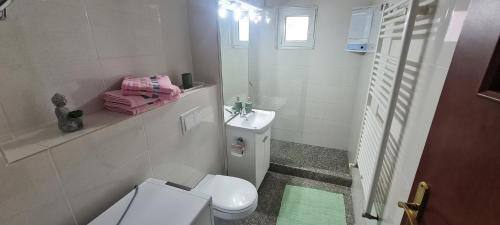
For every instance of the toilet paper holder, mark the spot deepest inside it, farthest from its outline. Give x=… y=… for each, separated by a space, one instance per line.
x=238 y=148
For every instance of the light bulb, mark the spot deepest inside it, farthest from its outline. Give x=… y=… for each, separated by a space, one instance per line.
x=237 y=14
x=222 y=13
x=268 y=19
x=252 y=15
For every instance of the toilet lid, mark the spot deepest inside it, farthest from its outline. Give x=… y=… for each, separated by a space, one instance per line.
x=229 y=194
x=154 y=204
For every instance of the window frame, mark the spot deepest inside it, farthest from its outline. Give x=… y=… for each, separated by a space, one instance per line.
x=235 y=35
x=283 y=13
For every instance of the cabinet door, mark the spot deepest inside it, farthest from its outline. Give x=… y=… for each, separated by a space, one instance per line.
x=267 y=150
x=263 y=155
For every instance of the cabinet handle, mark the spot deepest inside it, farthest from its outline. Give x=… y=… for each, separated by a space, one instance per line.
x=265 y=139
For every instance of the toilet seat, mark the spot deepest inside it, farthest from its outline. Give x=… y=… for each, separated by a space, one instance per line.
x=232 y=197
x=235 y=215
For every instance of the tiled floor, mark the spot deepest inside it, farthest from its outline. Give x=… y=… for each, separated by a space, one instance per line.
x=272 y=189
x=314 y=162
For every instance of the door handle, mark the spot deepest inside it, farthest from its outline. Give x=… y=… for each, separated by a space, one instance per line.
x=413 y=210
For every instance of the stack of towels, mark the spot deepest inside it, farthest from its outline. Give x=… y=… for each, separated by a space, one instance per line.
x=139 y=95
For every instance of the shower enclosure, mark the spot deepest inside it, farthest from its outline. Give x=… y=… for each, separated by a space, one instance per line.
x=289 y=59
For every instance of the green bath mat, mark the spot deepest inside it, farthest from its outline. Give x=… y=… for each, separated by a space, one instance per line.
x=307 y=206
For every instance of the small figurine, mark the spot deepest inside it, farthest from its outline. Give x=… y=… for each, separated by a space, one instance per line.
x=68 y=121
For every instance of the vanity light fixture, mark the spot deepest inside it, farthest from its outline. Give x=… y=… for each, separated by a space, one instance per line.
x=222 y=13
x=241 y=10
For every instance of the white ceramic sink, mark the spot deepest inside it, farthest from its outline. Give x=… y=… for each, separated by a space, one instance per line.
x=257 y=121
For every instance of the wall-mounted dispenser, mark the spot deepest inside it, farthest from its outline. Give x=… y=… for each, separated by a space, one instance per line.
x=360 y=29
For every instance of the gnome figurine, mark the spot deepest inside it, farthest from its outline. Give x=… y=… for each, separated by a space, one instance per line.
x=68 y=121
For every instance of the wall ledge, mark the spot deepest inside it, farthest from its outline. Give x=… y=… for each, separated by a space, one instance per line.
x=50 y=136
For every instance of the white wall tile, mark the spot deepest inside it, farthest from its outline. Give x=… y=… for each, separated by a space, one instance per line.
x=331 y=94
x=333 y=75
x=287 y=135
x=41 y=45
x=339 y=112
x=53 y=31
x=22 y=95
x=30 y=193
x=359 y=102
x=185 y=159
x=176 y=37
x=119 y=34
x=315 y=84
x=203 y=30
x=9 y=33
x=98 y=169
x=326 y=133
x=287 y=122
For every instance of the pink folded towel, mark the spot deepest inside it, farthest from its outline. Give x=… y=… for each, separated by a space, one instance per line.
x=130 y=101
x=117 y=107
x=131 y=112
x=153 y=95
x=153 y=86
x=117 y=102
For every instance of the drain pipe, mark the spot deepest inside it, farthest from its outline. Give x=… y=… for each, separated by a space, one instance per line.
x=406 y=37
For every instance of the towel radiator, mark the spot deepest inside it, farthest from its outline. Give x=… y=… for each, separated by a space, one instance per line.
x=386 y=76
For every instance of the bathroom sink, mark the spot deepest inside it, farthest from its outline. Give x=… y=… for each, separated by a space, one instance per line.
x=257 y=121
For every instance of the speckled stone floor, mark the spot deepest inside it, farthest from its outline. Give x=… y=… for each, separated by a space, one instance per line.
x=308 y=161
x=271 y=192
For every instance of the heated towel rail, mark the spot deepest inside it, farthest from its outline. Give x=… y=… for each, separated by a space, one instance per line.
x=389 y=64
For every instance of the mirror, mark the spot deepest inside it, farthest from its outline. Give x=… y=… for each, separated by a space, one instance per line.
x=4 y=4
x=236 y=20
x=234 y=31
x=234 y=37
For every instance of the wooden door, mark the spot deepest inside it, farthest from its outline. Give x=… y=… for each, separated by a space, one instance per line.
x=461 y=159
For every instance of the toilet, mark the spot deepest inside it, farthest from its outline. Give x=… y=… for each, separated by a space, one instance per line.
x=232 y=198
x=219 y=199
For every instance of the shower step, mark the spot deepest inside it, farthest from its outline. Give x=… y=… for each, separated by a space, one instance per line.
x=308 y=161
x=325 y=176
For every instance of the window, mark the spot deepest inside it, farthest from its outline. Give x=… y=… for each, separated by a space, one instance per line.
x=241 y=33
x=243 y=29
x=296 y=28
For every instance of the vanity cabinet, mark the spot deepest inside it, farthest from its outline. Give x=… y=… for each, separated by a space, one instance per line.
x=249 y=154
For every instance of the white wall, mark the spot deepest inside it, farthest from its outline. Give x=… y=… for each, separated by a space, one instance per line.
x=204 y=33
x=81 y=48
x=234 y=62
x=362 y=84
x=74 y=182
x=434 y=55
x=311 y=90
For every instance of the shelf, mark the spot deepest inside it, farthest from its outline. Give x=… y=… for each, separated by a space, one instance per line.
x=50 y=136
